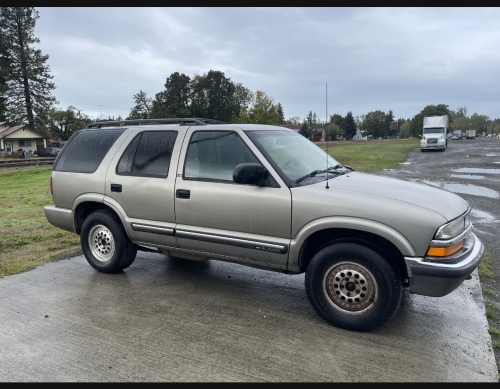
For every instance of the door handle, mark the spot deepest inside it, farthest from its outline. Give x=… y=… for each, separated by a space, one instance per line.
x=182 y=193
x=116 y=188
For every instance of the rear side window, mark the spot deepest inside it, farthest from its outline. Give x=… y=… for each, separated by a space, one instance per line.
x=148 y=154
x=86 y=151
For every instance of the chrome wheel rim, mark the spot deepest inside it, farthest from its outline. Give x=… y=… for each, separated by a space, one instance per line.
x=101 y=243
x=350 y=287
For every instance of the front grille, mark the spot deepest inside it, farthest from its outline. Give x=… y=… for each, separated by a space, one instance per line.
x=432 y=140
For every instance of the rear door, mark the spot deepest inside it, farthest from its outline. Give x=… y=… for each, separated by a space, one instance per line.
x=141 y=180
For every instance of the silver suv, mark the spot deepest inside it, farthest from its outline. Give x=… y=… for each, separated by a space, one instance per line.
x=262 y=196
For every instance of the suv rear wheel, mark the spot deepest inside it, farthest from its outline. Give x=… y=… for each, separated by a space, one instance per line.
x=353 y=287
x=105 y=243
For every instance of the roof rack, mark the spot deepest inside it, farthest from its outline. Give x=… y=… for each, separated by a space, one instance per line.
x=140 y=122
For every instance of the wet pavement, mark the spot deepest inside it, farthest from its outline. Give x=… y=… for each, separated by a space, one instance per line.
x=465 y=161
x=167 y=319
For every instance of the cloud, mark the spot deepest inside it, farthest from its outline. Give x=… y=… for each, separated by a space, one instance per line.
x=372 y=58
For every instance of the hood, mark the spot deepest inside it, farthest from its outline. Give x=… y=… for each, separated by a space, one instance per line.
x=414 y=210
x=441 y=201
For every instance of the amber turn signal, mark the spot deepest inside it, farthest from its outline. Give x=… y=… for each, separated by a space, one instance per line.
x=444 y=251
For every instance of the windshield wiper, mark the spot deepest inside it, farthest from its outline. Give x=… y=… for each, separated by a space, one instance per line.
x=337 y=166
x=315 y=172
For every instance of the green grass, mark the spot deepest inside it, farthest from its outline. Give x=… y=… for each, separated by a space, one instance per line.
x=485 y=267
x=370 y=156
x=488 y=292
x=494 y=331
x=492 y=306
x=27 y=239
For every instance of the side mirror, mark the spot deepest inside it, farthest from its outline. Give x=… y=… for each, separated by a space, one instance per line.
x=250 y=174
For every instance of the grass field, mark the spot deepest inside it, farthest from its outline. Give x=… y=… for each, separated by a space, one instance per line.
x=26 y=237
x=28 y=240
x=371 y=156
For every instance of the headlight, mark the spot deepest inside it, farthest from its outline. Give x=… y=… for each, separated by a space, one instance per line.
x=452 y=229
x=441 y=140
x=447 y=233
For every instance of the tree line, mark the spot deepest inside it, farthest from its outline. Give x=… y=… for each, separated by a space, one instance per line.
x=210 y=95
x=377 y=123
x=27 y=96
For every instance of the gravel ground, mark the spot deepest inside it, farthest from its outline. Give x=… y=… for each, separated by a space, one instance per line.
x=471 y=169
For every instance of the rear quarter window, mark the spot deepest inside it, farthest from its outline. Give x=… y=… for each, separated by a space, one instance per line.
x=85 y=152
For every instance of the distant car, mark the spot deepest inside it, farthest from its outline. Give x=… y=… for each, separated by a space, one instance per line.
x=455 y=137
x=49 y=152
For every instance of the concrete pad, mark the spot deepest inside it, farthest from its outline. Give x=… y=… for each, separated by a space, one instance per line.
x=166 y=319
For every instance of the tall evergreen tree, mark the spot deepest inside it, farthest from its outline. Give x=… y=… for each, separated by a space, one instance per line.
x=4 y=72
x=350 y=126
x=28 y=97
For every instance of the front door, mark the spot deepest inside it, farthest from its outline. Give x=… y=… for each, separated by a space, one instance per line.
x=8 y=146
x=39 y=145
x=215 y=215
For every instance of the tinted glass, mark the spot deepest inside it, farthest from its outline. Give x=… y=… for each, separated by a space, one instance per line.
x=148 y=154
x=127 y=159
x=213 y=155
x=86 y=150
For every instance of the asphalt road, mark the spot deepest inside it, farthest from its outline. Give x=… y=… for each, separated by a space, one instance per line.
x=166 y=319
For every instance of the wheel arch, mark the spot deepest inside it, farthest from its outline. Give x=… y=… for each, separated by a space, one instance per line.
x=85 y=204
x=381 y=238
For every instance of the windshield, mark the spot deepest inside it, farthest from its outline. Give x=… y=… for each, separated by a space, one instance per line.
x=436 y=130
x=295 y=155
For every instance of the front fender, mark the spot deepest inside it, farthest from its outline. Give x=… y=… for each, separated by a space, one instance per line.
x=389 y=233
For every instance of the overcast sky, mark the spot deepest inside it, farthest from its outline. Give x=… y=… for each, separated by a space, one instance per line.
x=371 y=58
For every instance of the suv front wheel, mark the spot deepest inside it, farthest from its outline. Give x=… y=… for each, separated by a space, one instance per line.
x=353 y=287
x=105 y=243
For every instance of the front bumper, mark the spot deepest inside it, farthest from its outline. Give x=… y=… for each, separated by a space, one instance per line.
x=433 y=146
x=432 y=278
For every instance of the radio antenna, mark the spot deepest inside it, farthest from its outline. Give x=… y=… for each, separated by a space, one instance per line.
x=326 y=122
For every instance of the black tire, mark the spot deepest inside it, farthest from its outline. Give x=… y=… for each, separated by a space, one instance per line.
x=111 y=250
x=343 y=265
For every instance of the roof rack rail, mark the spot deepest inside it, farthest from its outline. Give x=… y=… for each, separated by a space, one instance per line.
x=139 y=122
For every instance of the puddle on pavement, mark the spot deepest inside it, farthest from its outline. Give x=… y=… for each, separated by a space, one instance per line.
x=497 y=162
x=407 y=163
x=465 y=189
x=468 y=176
x=477 y=170
x=492 y=155
x=482 y=217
